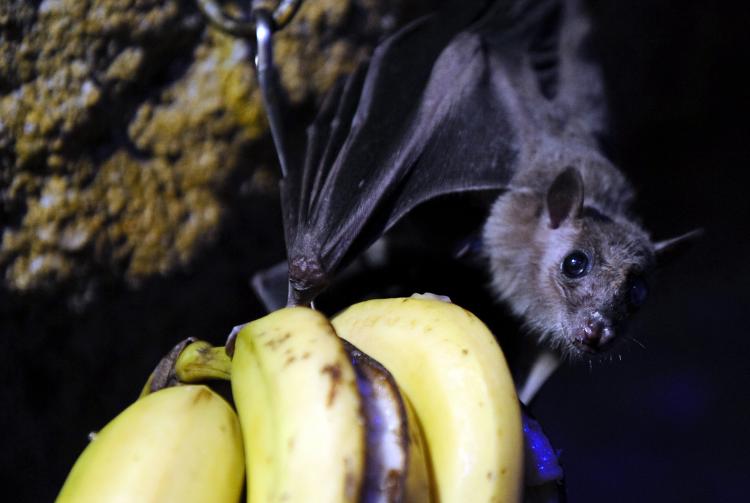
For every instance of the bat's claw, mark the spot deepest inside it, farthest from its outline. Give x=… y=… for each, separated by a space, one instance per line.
x=432 y=296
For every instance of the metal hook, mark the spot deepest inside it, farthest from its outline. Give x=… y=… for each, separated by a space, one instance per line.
x=273 y=99
x=259 y=24
x=245 y=26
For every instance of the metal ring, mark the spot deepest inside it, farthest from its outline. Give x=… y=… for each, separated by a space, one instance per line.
x=245 y=26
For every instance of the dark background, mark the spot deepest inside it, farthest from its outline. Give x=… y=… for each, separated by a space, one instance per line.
x=667 y=423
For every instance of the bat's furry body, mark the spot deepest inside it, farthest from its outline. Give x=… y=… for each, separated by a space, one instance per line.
x=479 y=96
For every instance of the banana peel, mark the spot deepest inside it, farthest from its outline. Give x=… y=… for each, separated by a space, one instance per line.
x=449 y=366
x=177 y=444
x=392 y=401
x=300 y=410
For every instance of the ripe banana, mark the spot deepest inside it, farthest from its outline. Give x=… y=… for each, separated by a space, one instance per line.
x=426 y=411
x=395 y=461
x=450 y=368
x=300 y=410
x=177 y=444
x=397 y=468
x=199 y=361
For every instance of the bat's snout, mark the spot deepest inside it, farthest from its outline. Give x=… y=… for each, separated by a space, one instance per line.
x=594 y=334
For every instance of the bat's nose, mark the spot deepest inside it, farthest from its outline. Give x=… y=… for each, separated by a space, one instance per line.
x=595 y=333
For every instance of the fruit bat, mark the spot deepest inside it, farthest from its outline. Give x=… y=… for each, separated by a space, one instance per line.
x=499 y=97
x=459 y=100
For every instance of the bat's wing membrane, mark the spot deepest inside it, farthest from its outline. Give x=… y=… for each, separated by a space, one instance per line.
x=444 y=106
x=352 y=164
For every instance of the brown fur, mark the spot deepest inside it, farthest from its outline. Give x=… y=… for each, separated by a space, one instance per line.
x=525 y=254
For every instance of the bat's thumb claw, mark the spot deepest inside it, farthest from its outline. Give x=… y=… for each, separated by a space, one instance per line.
x=433 y=296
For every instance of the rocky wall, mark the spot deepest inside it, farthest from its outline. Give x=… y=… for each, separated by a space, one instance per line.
x=125 y=123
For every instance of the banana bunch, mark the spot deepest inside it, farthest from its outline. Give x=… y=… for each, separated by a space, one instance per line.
x=393 y=400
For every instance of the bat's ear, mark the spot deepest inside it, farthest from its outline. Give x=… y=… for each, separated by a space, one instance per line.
x=565 y=197
x=669 y=249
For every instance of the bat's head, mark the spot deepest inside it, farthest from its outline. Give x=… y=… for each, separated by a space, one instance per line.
x=574 y=274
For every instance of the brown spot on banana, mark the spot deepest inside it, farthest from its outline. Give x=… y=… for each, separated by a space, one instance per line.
x=393 y=485
x=201 y=395
x=334 y=370
x=275 y=343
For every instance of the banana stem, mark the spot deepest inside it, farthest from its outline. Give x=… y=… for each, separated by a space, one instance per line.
x=200 y=361
x=163 y=375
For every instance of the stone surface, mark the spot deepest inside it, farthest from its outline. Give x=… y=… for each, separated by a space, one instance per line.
x=124 y=123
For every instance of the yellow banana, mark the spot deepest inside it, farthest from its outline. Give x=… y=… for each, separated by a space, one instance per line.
x=397 y=468
x=178 y=444
x=450 y=368
x=300 y=410
x=200 y=361
x=418 y=486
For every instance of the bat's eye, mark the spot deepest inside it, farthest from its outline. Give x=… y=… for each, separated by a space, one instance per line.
x=638 y=292
x=575 y=264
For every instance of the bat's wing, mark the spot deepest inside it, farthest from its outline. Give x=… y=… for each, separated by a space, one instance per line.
x=448 y=104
